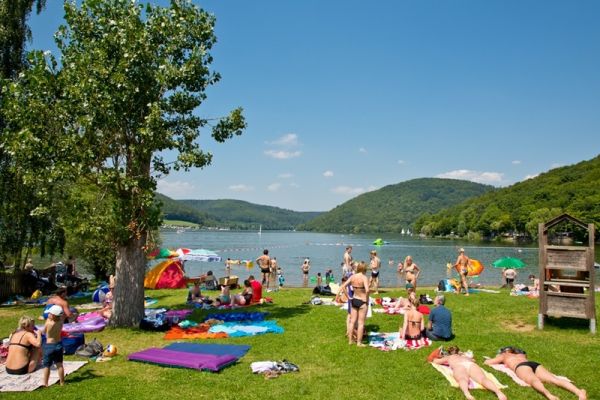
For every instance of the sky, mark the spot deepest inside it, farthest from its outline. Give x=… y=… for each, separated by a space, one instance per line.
x=346 y=97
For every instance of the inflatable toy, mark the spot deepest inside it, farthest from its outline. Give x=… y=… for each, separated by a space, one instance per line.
x=475 y=267
x=111 y=351
x=100 y=294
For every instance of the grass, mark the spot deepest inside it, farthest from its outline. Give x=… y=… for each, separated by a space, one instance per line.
x=329 y=367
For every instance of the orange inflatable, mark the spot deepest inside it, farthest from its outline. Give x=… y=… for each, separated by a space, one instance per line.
x=474 y=268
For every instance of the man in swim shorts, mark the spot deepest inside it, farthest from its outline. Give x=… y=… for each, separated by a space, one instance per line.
x=533 y=373
x=374 y=264
x=264 y=263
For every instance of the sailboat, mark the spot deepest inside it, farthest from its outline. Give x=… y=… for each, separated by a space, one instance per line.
x=260 y=230
x=404 y=233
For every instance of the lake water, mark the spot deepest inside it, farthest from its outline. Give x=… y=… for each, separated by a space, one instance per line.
x=326 y=250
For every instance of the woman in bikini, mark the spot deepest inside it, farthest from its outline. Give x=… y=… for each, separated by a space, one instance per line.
x=24 y=351
x=463 y=368
x=412 y=272
x=359 y=301
x=533 y=373
x=414 y=324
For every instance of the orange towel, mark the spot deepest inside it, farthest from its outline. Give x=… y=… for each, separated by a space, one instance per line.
x=198 y=332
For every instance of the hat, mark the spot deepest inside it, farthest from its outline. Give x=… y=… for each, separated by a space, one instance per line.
x=55 y=310
x=461 y=250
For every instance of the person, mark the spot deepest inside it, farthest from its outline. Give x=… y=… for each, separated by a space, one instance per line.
x=273 y=274
x=280 y=277
x=439 y=326
x=210 y=281
x=413 y=325
x=24 y=352
x=305 y=267
x=53 y=349
x=347 y=262
x=374 y=264
x=71 y=267
x=359 y=301
x=509 y=275
x=225 y=297
x=533 y=373
x=463 y=368
x=256 y=289
x=341 y=296
x=329 y=277
x=462 y=266
x=194 y=294
x=411 y=271
x=535 y=283
x=319 y=280
x=106 y=311
x=60 y=299
x=228 y=263
x=264 y=263
x=245 y=297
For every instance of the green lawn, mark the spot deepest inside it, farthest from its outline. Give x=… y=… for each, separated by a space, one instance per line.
x=329 y=367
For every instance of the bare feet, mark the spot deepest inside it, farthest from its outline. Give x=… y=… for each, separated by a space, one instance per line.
x=582 y=394
x=361 y=345
x=469 y=396
x=501 y=396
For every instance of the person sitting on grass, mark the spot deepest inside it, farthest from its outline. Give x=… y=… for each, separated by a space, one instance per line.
x=440 y=321
x=106 y=311
x=413 y=327
x=245 y=297
x=24 y=348
x=53 y=349
x=60 y=299
x=225 y=296
x=463 y=368
x=534 y=374
x=194 y=294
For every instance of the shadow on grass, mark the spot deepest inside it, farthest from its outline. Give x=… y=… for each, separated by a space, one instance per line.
x=578 y=324
x=81 y=376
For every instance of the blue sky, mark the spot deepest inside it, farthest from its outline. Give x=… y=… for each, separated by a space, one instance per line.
x=344 y=97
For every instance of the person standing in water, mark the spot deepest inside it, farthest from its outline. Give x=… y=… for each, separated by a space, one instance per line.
x=462 y=266
x=347 y=262
x=375 y=264
x=305 y=267
x=412 y=272
x=264 y=263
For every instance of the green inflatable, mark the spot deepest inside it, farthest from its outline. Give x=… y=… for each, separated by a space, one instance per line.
x=378 y=242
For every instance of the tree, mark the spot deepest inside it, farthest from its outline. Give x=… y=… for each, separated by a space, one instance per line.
x=129 y=82
x=19 y=225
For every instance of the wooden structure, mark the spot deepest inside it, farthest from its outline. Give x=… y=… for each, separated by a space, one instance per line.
x=566 y=276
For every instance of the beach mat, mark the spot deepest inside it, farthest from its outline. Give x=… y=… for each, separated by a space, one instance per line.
x=447 y=373
x=236 y=350
x=171 y=358
x=30 y=382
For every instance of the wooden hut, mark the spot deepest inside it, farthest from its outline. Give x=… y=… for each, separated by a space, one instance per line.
x=566 y=275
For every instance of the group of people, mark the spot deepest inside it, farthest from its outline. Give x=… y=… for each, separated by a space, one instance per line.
x=270 y=270
x=534 y=374
x=26 y=351
x=251 y=293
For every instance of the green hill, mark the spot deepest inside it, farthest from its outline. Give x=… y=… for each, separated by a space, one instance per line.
x=395 y=207
x=234 y=214
x=573 y=189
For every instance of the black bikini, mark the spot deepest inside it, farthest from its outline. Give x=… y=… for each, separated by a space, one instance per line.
x=25 y=369
x=531 y=364
x=357 y=303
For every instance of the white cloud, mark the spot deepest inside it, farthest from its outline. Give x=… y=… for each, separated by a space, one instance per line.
x=294 y=185
x=401 y=162
x=473 y=176
x=328 y=174
x=177 y=189
x=241 y=188
x=371 y=188
x=347 y=190
x=285 y=175
x=273 y=187
x=288 y=140
x=362 y=150
x=516 y=162
x=530 y=176
x=282 y=154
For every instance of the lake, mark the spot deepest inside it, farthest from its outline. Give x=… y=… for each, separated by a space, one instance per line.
x=326 y=250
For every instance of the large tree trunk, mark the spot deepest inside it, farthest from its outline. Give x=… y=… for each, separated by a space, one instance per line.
x=128 y=306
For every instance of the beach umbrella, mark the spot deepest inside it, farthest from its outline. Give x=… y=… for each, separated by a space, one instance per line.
x=508 y=262
x=200 y=255
x=161 y=253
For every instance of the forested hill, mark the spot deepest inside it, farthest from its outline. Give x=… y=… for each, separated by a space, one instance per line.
x=234 y=214
x=395 y=207
x=573 y=189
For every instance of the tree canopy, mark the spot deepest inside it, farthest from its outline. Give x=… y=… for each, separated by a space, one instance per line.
x=126 y=90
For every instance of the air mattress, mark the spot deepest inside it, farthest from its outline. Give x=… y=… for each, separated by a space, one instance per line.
x=182 y=359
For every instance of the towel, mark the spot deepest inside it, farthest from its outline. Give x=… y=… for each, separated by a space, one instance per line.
x=447 y=372
x=30 y=382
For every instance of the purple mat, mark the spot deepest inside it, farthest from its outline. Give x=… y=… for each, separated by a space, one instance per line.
x=173 y=358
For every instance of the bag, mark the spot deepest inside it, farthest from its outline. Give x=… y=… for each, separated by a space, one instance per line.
x=91 y=349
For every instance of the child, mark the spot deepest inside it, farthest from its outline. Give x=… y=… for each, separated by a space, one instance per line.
x=225 y=296
x=53 y=349
x=280 y=278
x=319 y=280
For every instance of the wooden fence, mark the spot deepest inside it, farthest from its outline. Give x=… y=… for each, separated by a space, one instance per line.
x=11 y=285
